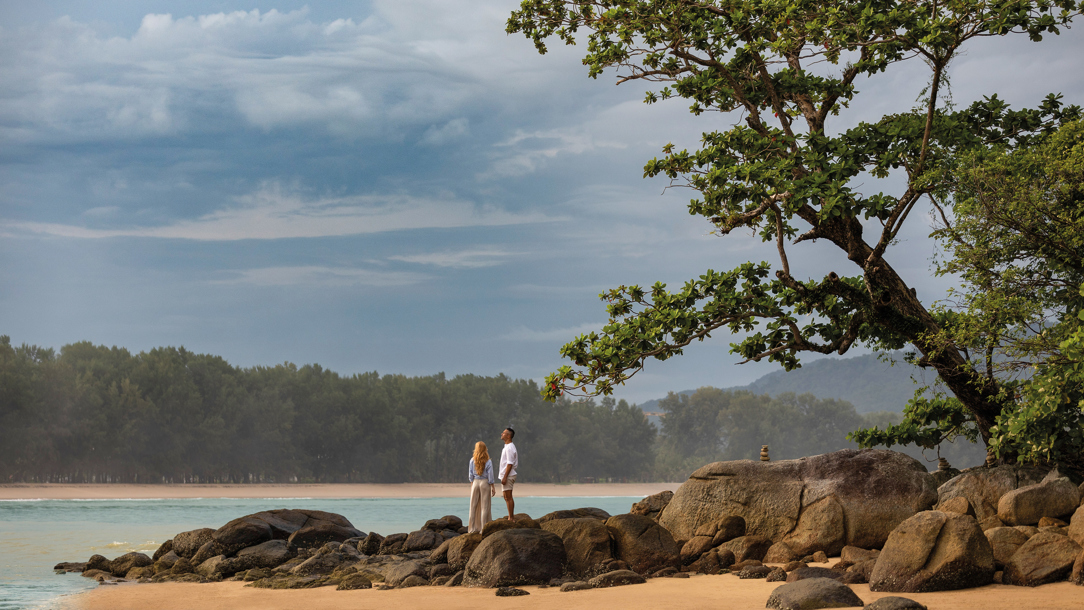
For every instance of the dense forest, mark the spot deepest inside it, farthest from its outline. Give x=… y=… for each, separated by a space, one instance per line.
x=91 y=413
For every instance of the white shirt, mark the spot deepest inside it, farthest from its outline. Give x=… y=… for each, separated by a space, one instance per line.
x=509 y=455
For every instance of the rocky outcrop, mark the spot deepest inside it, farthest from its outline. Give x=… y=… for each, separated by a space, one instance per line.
x=187 y=543
x=934 y=551
x=516 y=557
x=822 y=502
x=1054 y=497
x=1046 y=557
x=586 y=541
x=653 y=505
x=983 y=487
x=643 y=544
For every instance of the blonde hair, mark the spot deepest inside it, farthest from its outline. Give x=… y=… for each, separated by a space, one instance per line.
x=481 y=456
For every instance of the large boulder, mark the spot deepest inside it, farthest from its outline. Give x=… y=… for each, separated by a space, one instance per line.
x=516 y=557
x=652 y=505
x=1046 y=557
x=186 y=544
x=270 y=554
x=403 y=570
x=587 y=543
x=813 y=593
x=643 y=544
x=1076 y=526
x=1054 y=497
x=934 y=551
x=422 y=540
x=983 y=487
x=121 y=565
x=823 y=502
x=456 y=551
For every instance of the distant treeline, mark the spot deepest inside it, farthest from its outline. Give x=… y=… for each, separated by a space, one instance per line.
x=91 y=414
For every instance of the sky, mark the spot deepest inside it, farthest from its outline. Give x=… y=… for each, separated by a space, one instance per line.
x=391 y=186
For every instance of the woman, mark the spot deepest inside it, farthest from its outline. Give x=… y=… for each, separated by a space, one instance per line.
x=480 y=475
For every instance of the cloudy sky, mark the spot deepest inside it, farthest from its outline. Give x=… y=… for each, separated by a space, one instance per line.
x=395 y=186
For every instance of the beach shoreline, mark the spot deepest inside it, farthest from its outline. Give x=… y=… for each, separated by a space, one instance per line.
x=699 y=591
x=105 y=491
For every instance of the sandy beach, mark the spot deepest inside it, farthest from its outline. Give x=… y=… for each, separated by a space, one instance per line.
x=49 y=491
x=725 y=592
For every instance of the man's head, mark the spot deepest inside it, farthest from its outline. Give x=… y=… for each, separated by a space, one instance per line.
x=507 y=435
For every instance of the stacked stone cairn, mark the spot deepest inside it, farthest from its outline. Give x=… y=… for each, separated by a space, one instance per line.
x=890 y=522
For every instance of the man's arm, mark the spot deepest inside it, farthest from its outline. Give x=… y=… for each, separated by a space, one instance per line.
x=504 y=477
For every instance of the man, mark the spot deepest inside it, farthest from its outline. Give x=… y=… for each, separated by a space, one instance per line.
x=509 y=462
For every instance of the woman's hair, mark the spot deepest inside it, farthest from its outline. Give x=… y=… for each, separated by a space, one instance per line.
x=481 y=456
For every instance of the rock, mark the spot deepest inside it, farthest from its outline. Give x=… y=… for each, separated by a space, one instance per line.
x=958 y=505
x=642 y=543
x=166 y=547
x=71 y=566
x=269 y=554
x=743 y=564
x=520 y=522
x=940 y=477
x=1076 y=526
x=413 y=581
x=96 y=574
x=510 y=592
x=864 y=569
x=586 y=541
x=399 y=573
x=1053 y=497
x=354 y=582
x=813 y=593
x=983 y=487
x=1044 y=558
x=516 y=557
x=1077 y=575
x=166 y=562
x=422 y=540
x=754 y=572
x=121 y=565
x=460 y=549
x=780 y=552
x=652 y=505
x=321 y=563
x=371 y=544
x=576 y=513
x=1051 y=522
x=1004 y=541
x=436 y=525
x=456 y=579
x=187 y=543
x=853 y=554
x=140 y=573
x=990 y=523
x=727 y=529
x=894 y=603
x=320 y=533
x=211 y=549
x=616 y=578
x=212 y=567
x=712 y=563
x=794 y=565
x=393 y=544
x=693 y=549
x=777 y=575
x=576 y=585
x=240 y=533
x=1027 y=530
x=748 y=547
x=934 y=551
x=663 y=573
x=806 y=502
x=454 y=523
x=853 y=578
x=820 y=557
x=183 y=566
x=804 y=573
x=97 y=562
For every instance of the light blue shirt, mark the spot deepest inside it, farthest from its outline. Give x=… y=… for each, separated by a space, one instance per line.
x=487 y=474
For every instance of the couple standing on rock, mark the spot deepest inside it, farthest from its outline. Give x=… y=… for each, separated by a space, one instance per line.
x=483 y=486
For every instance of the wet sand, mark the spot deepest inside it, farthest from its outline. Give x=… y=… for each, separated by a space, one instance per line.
x=725 y=592
x=49 y=491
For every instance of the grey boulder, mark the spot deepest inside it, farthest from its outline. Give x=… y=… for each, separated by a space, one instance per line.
x=516 y=557
x=813 y=593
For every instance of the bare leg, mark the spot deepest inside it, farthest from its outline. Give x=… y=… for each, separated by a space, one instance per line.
x=510 y=502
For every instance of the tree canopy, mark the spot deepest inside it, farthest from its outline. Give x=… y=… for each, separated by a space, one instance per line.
x=782 y=71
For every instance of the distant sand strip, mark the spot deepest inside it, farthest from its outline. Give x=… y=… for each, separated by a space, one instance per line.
x=48 y=491
x=725 y=592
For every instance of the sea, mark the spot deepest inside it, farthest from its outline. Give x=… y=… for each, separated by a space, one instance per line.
x=35 y=535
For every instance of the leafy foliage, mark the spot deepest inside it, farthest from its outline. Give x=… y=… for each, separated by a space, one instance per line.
x=782 y=70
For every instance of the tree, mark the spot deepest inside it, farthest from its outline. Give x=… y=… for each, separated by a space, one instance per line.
x=1014 y=233
x=784 y=69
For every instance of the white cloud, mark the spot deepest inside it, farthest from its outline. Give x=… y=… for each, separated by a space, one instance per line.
x=452 y=130
x=563 y=335
x=526 y=151
x=320 y=276
x=465 y=259
x=275 y=213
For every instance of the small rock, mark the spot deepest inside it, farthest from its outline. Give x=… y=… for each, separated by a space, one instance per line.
x=805 y=573
x=412 y=581
x=353 y=582
x=616 y=578
x=813 y=593
x=820 y=557
x=754 y=572
x=510 y=592
x=794 y=565
x=895 y=603
x=776 y=575
x=577 y=585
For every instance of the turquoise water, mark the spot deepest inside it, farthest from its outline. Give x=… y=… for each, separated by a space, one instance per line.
x=35 y=535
